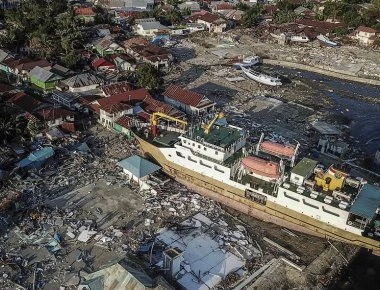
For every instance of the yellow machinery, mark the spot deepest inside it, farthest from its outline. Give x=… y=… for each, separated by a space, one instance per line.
x=209 y=126
x=158 y=115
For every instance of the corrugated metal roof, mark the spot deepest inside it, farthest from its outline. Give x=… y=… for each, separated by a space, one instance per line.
x=367 y=201
x=82 y=80
x=43 y=75
x=138 y=166
x=115 y=277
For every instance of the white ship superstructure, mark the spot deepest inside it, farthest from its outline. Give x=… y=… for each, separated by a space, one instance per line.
x=266 y=175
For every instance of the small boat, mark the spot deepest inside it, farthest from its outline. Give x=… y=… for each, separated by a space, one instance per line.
x=248 y=62
x=261 y=78
x=296 y=38
x=325 y=41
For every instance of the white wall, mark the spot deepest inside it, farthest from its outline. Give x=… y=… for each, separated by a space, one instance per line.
x=287 y=198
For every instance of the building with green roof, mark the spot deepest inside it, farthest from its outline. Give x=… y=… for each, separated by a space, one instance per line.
x=302 y=171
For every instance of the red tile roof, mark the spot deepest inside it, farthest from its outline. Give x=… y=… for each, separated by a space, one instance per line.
x=144 y=115
x=366 y=29
x=101 y=62
x=115 y=108
x=69 y=127
x=116 y=88
x=153 y=105
x=85 y=11
x=126 y=97
x=24 y=102
x=224 y=6
x=124 y=121
x=183 y=95
x=208 y=17
x=136 y=41
x=26 y=64
x=321 y=25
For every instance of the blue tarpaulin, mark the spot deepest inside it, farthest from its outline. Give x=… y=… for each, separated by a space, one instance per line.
x=37 y=158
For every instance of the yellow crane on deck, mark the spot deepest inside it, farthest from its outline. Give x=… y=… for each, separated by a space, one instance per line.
x=158 y=115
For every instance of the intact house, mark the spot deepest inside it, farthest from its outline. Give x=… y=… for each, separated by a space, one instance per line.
x=109 y=113
x=150 y=53
x=85 y=14
x=148 y=26
x=124 y=62
x=365 y=35
x=43 y=79
x=106 y=46
x=22 y=67
x=113 y=107
x=138 y=169
x=188 y=101
x=80 y=83
x=214 y=23
x=101 y=64
x=139 y=5
x=193 y=6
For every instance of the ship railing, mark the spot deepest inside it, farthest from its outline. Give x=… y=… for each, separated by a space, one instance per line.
x=321 y=197
x=206 y=157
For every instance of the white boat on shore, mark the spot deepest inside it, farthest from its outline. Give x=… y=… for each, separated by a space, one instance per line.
x=262 y=78
x=248 y=62
x=325 y=41
x=297 y=38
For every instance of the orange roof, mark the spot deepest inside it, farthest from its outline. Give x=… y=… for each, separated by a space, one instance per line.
x=85 y=11
x=277 y=149
x=366 y=29
x=262 y=167
x=124 y=121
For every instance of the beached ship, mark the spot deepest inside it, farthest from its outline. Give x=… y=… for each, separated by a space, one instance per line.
x=261 y=78
x=325 y=41
x=248 y=62
x=265 y=180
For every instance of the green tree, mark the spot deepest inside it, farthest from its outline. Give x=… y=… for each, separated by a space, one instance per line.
x=148 y=77
x=186 y=11
x=252 y=16
x=173 y=16
x=285 y=17
x=10 y=127
x=71 y=59
x=242 y=6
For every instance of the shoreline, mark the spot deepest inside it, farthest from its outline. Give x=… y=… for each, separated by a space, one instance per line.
x=335 y=74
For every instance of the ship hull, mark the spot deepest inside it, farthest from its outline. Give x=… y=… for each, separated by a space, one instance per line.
x=235 y=198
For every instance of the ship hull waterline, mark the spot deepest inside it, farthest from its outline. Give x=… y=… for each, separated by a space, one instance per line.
x=234 y=198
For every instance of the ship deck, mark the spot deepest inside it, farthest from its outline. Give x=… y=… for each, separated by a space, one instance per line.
x=218 y=136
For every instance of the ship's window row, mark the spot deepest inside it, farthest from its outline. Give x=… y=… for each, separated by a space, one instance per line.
x=330 y=212
x=204 y=164
x=291 y=197
x=192 y=159
x=309 y=204
x=179 y=154
x=217 y=169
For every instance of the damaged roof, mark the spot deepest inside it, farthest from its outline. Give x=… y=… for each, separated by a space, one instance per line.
x=82 y=80
x=183 y=95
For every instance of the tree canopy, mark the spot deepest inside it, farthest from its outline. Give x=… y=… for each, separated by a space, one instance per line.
x=252 y=16
x=47 y=29
x=148 y=77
